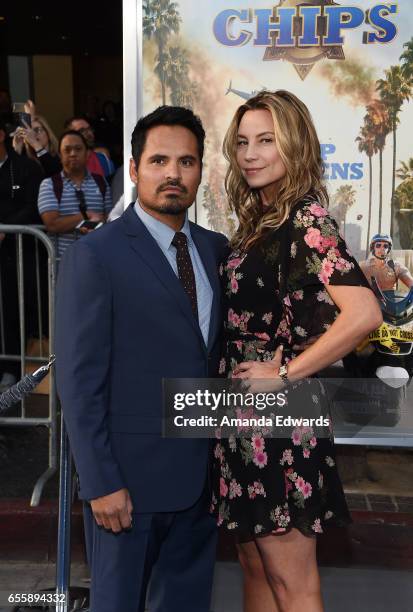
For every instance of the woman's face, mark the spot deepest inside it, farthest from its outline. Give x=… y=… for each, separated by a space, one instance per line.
x=41 y=133
x=257 y=152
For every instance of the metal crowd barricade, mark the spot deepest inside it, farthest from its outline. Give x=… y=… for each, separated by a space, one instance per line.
x=40 y=238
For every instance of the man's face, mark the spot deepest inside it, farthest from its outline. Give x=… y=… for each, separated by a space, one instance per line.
x=84 y=127
x=169 y=171
x=73 y=154
x=381 y=249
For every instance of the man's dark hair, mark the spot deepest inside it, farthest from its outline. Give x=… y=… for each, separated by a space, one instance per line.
x=72 y=133
x=166 y=115
x=69 y=121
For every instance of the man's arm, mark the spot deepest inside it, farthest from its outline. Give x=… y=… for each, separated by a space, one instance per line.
x=404 y=275
x=60 y=224
x=50 y=214
x=83 y=350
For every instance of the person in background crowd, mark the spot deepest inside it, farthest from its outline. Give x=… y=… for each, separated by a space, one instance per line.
x=20 y=178
x=40 y=144
x=99 y=161
x=5 y=101
x=108 y=128
x=117 y=184
x=118 y=199
x=67 y=197
x=6 y=114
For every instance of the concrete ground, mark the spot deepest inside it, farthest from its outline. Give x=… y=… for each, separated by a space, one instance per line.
x=344 y=589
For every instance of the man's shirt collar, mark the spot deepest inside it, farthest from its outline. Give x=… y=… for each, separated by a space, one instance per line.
x=67 y=178
x=162 y=233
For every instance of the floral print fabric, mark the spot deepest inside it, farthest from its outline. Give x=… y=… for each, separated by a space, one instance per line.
x=275 y=293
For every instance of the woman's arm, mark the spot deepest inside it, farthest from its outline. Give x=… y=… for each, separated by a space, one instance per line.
x=359 y=315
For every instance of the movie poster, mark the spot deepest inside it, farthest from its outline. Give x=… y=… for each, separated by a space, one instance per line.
x=351 y=63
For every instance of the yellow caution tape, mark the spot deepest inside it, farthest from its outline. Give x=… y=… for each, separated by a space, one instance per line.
x=386 y=334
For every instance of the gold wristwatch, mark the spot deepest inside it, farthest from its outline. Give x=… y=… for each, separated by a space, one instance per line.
x=283 y=374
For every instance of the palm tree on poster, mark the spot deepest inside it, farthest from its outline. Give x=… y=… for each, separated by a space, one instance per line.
x=218 y=219
x=393 y=90
x=407 y=61
x=161 y=18
x=367 y=145
x=403 y=200
x=344 y=198
x=405 y=172
x=176 y=70
x=378 y=123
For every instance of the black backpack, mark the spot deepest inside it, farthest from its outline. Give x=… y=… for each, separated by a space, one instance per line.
x=57 y=182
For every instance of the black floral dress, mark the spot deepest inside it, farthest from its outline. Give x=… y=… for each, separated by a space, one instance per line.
x=275 y=293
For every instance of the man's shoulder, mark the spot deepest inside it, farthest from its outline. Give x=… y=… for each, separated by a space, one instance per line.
x=49 y=188
x=400 y=268
x=46 y=183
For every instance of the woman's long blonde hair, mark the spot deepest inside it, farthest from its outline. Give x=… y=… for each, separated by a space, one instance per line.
x=299 y=149
x=53 y=142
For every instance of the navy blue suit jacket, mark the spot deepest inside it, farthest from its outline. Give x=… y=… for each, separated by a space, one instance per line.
x=124 y=322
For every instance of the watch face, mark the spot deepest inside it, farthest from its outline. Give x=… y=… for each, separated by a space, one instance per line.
x=283 y=371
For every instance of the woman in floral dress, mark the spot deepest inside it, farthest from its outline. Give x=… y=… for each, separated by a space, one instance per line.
x=295 y=297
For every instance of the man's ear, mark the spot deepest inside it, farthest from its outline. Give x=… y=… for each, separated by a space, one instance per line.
x=133 y=171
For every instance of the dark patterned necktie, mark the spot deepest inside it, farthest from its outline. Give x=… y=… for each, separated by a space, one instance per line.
x=185 y=269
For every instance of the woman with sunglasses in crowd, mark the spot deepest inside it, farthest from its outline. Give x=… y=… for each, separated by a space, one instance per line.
x=40 y=144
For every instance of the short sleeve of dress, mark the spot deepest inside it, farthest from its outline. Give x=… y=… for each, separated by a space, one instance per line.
x=318 y=257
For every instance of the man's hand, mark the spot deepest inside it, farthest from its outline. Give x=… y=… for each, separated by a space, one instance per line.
x=18 y=140
x=30 y=108
x=114 y=511
x=31 y=139
x=92 y=216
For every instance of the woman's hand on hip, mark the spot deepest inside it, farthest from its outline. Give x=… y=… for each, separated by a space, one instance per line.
x=261 y=376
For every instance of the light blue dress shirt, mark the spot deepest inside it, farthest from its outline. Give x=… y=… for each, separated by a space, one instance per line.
x=163 y=235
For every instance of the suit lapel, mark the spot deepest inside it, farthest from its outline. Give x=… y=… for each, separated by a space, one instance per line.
x=211 y=268
x=148 y=250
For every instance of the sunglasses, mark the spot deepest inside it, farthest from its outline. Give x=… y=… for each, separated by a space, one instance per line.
x=80 y=196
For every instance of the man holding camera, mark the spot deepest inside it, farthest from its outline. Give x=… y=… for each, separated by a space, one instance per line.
x=74 y=197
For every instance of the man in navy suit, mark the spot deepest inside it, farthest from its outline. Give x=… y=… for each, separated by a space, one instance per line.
x=137 y=301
